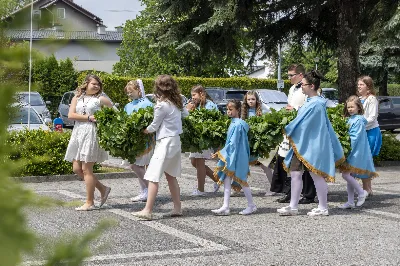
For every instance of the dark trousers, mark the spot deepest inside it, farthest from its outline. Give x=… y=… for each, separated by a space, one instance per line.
x=309 y=191
x=280 y=181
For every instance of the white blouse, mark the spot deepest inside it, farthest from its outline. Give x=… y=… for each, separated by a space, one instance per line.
x=167 y=120
x=371 y=112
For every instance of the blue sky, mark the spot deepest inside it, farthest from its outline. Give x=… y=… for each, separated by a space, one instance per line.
x=113 y=12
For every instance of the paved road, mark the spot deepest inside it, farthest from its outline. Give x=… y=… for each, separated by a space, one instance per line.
x=365 y=236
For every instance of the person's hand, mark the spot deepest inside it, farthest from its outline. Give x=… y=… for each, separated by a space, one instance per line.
x=146 y=131
x=92 y=119
x=190 y=106
x=289 y=107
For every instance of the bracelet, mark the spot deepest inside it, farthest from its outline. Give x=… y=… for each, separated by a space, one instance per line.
x=88 y=118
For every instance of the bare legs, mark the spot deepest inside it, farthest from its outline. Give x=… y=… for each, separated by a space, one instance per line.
x=367 y=185
x=202 y=171
x=85 y=171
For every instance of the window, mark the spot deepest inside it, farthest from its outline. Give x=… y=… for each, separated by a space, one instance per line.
x=396 y=102
x=36 y=14
x=384 y=104
x=61 y=13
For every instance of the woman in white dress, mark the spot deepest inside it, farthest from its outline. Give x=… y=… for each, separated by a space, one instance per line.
x=83 y=148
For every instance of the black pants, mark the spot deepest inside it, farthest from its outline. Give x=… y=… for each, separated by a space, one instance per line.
x=309 y=191
x=280 y=181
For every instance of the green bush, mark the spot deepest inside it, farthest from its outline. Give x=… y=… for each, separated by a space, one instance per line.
x=394 y=89
x=114 y=85
x=43 y=152
x=390 y=150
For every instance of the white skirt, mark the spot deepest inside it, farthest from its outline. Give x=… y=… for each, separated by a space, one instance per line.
x=145 y=159
x=166 y=158
x=205 y=154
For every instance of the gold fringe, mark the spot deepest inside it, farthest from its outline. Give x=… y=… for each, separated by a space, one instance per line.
x=231 y=174
x=253 y=162
x=328 y=178
x=346 y=167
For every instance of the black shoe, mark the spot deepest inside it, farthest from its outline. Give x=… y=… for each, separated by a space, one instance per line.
x=284 y=199
x=306 y=201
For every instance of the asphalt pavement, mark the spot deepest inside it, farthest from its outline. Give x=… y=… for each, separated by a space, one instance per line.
x=364 y=236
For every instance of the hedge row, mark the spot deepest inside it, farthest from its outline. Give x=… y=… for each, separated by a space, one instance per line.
x=114 y=85
x=394 y=89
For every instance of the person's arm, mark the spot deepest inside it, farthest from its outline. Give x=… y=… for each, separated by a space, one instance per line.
x=371 y=112
x=104 y=101
x=159 y=114
x=75 y=116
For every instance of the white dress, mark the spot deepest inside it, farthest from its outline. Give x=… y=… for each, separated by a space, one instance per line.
x=84 y=145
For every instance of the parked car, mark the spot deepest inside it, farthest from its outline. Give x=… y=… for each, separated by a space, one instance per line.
x=152 y=99
x=272 y=99
x=217 y=94
x=19 y=120
x=63 y=107
x=389 y=112
x=331 y=94
x=37 y=102
x=230 y=94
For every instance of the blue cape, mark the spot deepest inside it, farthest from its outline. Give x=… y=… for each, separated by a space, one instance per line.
x=359 y=162
x=234 y=157
x=313 y=140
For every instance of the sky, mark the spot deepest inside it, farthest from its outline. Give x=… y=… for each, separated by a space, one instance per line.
x=112 y=12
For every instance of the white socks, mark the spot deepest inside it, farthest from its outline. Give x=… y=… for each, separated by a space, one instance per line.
x=322 y=191
x=352 y=185
x=296 y=187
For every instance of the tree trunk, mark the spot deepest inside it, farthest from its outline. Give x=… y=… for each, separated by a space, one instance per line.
x=383 y=90
x=348 y=47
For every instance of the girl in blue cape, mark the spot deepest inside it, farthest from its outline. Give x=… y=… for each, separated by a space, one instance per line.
x=233 y=164
x=251 y=106
x=359 y=162
x=200 y=99
x=135 y=91
x=314 y=145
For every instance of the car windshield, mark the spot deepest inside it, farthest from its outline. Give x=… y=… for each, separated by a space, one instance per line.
x=36 y=99
x=331 y=95
x=273 y=96
x=235 y=95
x=21 y=117
x=216 y=95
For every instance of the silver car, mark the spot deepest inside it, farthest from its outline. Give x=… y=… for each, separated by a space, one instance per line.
x=20 y=119
x=37 y=102
x=63 y=107
x=272 y=99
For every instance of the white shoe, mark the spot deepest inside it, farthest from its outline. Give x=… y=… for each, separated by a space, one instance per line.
x=318 y=212
x=197 y=192
x=249 y=210
x=141 y=197
x=287 y=211
x=270 y=193
x=347 y=206
x=216 y=187
x=221 y=212
x=361 y=198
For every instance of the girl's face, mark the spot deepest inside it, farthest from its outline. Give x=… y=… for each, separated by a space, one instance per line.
x=308 y=89
x=362 y=88
x=93 y=87
x=251 y=101
x=232 y=111
x=196 y=97
x=352 y=108
x=132 y=93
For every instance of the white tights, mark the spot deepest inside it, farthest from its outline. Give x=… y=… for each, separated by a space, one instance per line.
x=227 y=194
x=352 y=185
x=297 y=185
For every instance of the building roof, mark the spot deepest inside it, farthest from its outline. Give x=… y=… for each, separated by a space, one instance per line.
x=23 y=35
x=47 y=3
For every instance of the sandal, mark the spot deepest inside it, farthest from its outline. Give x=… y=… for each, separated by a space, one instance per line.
x=82 y=208
x=144 y=216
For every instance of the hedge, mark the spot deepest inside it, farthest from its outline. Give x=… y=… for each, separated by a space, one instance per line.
x=394 y=89
x=40 y=152
x=114 y=85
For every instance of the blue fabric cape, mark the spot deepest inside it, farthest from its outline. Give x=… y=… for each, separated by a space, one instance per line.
x=359 y=162
x=134 y=106
x=313 y=140
x=234 y=157
x=209 y=105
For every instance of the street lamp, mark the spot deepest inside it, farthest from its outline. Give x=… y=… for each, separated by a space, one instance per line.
x=316 y=60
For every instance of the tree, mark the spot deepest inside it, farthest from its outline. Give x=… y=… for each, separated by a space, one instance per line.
x=218 y=27
x=145 y=53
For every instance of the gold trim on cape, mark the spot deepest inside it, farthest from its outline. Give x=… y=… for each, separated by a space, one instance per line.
x=227 y=172
x=346 y=167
